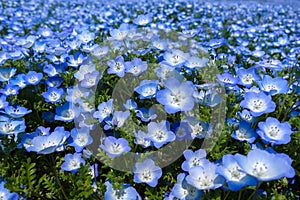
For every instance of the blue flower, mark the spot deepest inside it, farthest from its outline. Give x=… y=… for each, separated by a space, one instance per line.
x=176 y=96
x=86 y=36
x=3 y=102
x=246 y=116
x=193 y=159
x=196 y=62
x=66 y=112
x=90 y=79
x=141 y=139
x=227 y=79
x=118 y=119
x=258 y=103
x=245 y=132
x=143 y=20
x=264 y=166
x=274 y=86
x=147 y=89
x=183 y=191
x=33 y=77
x=146 y=114
x=10 y=126
x=175 y=58
x=76 y=59
x=130 y=104
x=231 y=171
x=83 y=70
x=80 y=138
x=53 y=95
x=182 y=130
x=274 y=132
x=54 y=81
x=19 y=80
x=5 y=194
x=198 y=129
x=116 y=66
x=46 y=144
x=136 y=66
x=115 y=147
x=7 y=73
x=72 y=162
x=10 y=90
x=120 y=33
x=247 y=76
x=105 y=109
x=204 y=177
x=126 y=192
x=147 y=172
x=159 y=133
x=16 y=111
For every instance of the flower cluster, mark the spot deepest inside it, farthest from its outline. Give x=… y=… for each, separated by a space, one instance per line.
x=87 y=85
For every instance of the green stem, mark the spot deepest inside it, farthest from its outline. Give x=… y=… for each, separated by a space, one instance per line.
x=57 y=179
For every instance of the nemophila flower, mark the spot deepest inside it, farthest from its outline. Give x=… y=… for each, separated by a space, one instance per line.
x=159 y=44
x=227 y=79
x=75 y=94
x=16 y=111
x=120 y=33
x=198 y=129
x=53 y=95
x=126 y=192
x=204 y=177
x=208 y=97
x=116 y=66
x=271 y=64
x=66 y=112
x=19 y=80
x=33 y=77
x=262 y=165
x=76 y=59
x=42 y=130
x=258 y=103
x=118 y=120
x=39 y=46
x=100 y=51
x=54 y=81
x=175 y=58
x=3 y=102
x=159 y=133
x=10 y=126
x=80 y=138
x=147 y=89
x=46 y=144
x=115 y=147
x=176 y=96
x=182 y=190
x=130 y=104
x=136 y=66
x=232 y=172
x=83 y=70
x=72 y=162
x=247 y=76
x=5 y=194
x=274 y=132
x=86 y=36
x=90 y=79
x=143 y=20
x=10 y=90
x=290 y=173
x=147 y=172
x=105 y=109
x=196 y=62
x=246 y=116
x=244 y=132
x=50 y=70
x=274 y=86
x=193 y=159
x=141 y=139
x=7 y=73
x=146 y=114
x=182 y=130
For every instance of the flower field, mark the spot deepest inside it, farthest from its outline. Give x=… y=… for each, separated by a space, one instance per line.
x=154 y=100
